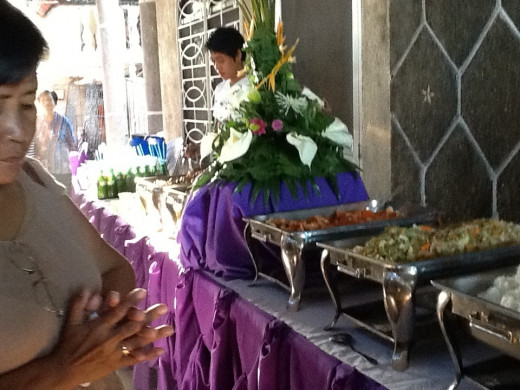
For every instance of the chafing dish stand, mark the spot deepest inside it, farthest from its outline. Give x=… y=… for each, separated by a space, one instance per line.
x=458 y=305
x=399 y=284
x=293 y=245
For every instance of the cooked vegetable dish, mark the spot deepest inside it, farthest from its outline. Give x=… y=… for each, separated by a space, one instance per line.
x=408 y=244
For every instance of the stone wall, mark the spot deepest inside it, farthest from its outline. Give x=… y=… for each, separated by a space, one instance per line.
x=455 y=105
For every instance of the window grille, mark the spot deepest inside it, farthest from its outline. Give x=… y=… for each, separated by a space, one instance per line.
x=196 y=20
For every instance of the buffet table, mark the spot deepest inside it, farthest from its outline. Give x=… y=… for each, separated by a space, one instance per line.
x=236 y=334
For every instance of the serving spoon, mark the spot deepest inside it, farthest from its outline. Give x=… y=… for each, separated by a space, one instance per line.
x=346 y=339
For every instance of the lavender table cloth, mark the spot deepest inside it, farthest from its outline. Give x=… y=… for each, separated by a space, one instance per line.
x=222 y=341
x=212 y=229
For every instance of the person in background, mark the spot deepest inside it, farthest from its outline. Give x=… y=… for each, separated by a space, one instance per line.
x=225 y=48
x=54 y=137
x=68 y=300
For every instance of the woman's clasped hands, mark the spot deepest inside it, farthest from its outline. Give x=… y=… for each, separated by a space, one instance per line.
x=117 y=335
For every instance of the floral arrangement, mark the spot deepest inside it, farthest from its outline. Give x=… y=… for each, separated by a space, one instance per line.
x=276 y=131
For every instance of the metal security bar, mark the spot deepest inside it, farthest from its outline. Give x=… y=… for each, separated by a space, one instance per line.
x=196 y=20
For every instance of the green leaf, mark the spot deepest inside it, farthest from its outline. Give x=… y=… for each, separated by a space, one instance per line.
x=267 y=191
x=292 y=186
x=276 y=191
x=204 y=179
x=241 y=184
x=315 y=186
x=255 y=191
x=303 y=185
x=333 y=183
x=245 y=10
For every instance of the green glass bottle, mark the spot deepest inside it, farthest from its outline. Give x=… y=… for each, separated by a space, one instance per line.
x=147 y=171
x=138 y=172
x=120 y=182
x=102 y=186
x=111 y=185
x=130 y=183
x=164 y=168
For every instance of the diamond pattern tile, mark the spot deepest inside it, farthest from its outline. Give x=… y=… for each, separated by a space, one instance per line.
x=458 y=24
x=424 y=95
x=457 y=182
x=405 y=18
x=406 y=179
x=459 y=175
x=490 y=93
x=512 y=7
x=508 y=192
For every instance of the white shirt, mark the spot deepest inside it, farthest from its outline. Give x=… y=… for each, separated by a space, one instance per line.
x=226 y=98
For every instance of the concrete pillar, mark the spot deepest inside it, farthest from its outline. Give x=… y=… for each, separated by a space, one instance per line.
x=112 y=42
x=151 y=70
x=169 y=67
x=375 y=105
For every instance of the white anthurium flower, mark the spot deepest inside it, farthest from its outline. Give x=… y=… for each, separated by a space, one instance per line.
x=312 y=96
x=307 y=148
x=236 y=145
x=206 y=144
x=338 y=133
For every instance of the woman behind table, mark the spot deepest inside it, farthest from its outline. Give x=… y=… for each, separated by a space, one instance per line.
x=68 y=308
x=54 y=138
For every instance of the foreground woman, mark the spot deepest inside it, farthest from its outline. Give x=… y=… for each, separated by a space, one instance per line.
x=68 y=308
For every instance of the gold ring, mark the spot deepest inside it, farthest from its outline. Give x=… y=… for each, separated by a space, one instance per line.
x=125 y=350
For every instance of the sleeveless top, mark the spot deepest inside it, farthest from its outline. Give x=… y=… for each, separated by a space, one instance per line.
x=49 y=244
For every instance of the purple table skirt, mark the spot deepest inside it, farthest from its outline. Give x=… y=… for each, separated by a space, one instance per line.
x=212 y=229
x=222 y=341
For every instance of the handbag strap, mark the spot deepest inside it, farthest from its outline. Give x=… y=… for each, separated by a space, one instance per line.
x=31 y=172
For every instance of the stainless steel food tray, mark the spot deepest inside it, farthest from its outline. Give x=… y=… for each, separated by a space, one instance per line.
x=162 y=200
x=149 y=191
x=173 y=201
x=400 y=281
x=489 y=322
x=293 y=244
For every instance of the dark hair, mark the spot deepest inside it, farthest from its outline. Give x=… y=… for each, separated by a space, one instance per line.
x=22 y=45
x=54 y=97
x=51 y=94
x=226 y=40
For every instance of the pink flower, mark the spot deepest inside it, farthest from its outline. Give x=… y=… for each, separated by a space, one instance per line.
x=257 y=126
x=277 y=125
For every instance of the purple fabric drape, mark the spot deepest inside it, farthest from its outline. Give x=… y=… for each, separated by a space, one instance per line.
x=137 y=252
x=120 y=233
x=222 y=342
x=212 y=229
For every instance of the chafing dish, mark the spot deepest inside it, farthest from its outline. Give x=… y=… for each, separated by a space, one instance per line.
x=489 y=322
x=293 y=245
x=149 y=191
x=399 y=285
x=173 y=200
x=161 y=200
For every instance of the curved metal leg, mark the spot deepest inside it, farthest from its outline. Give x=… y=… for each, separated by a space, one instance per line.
x=443 y=304
x=399 y=303
x=336 y=299
x=248 y=238
x=295 y=270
